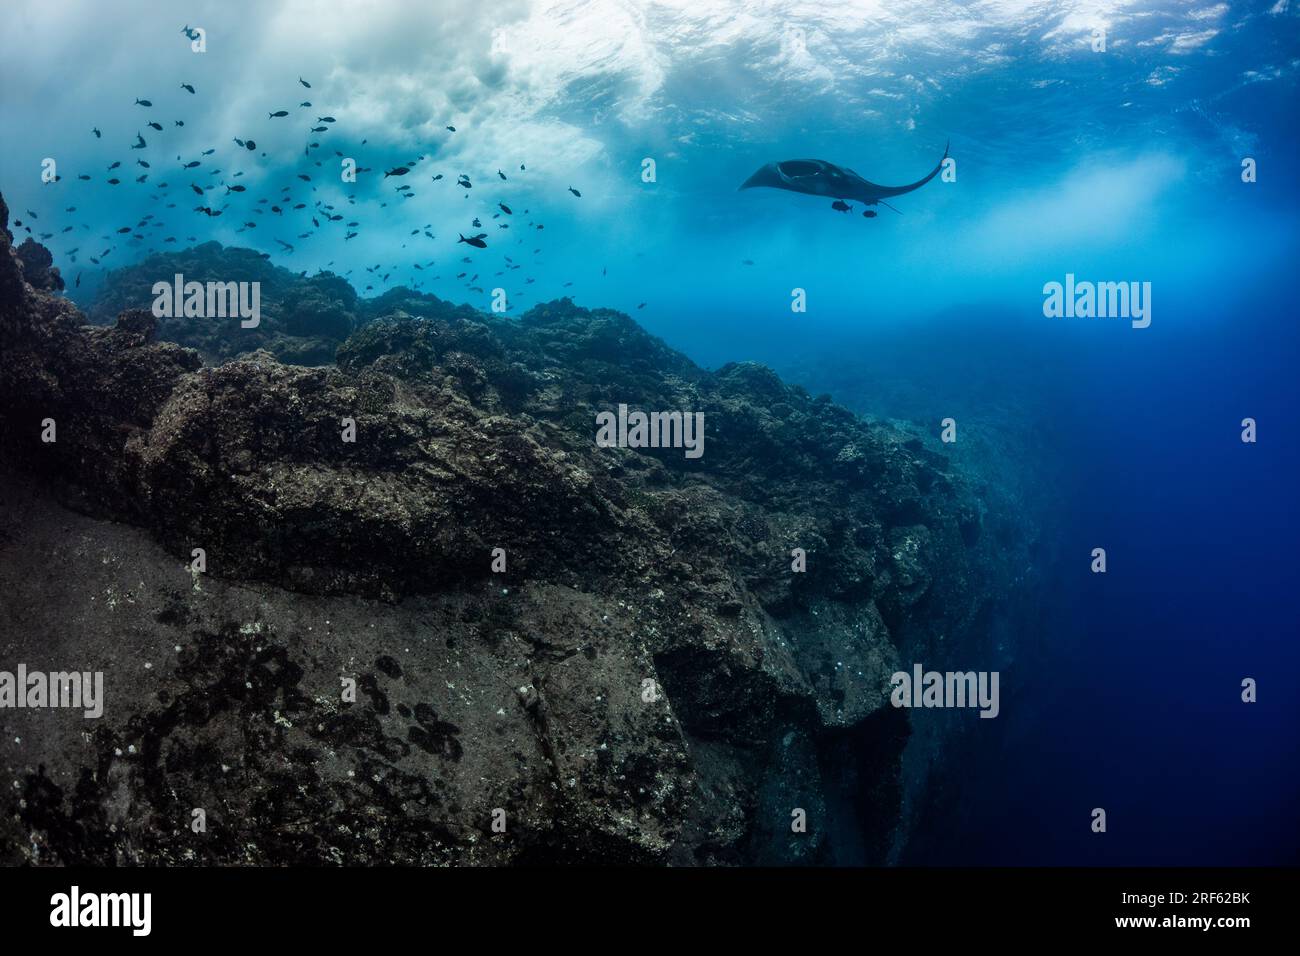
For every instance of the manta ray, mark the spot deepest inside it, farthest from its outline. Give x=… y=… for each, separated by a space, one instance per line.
x=817 y=177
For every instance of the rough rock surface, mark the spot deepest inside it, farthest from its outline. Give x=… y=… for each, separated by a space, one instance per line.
x=303 y=319
x=648 y=680
x=38 y=266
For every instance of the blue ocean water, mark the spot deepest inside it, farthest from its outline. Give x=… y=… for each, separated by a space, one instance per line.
x=1112 y=165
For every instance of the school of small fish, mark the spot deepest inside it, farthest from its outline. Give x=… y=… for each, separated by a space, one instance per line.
x=289 y=206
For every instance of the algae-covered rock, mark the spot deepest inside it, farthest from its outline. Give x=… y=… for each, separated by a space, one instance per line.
x=626 y=654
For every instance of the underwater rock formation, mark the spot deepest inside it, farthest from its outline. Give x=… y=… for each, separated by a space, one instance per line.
x=647 y=680
x=303 y=319
x=38 y=266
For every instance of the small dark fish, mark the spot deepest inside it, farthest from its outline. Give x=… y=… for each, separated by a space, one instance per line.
x=144 y=103
x=114 y=182
x=78 y=283
x=124 y=229
x=325 y=119
x=304 y=177
x=575 y=192
x=95 y=130
x=192 y=164
x=277 y=113
x=472 y=241
x=141 y=178
x=250 y=146
x=397 y=171
x=452 y=128
x=239 y=141
x=464 y=181
x=178 y=123
x=304 y=103
x=186 y=86
x=83 y=176
x=304 y=82
x=505 y=209
x=501 y=174
x=841 y=206
x=116 y=164
x=438 y=177
x=477 y=224
x=156 y=126
x=208 y=152
x=235 y=189
x=139 y=142
x=641 y=306
x=196 y=189
x=319 y=129
x=868 y=214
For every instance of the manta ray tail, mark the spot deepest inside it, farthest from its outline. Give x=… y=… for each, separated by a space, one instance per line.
x=879 y=192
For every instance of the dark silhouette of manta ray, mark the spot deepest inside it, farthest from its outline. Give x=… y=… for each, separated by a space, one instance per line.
x=816 y=177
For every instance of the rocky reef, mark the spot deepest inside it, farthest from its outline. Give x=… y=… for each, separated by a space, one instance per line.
x=561 y=652
x=303 y=319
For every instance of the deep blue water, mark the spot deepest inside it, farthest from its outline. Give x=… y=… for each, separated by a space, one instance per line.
x=1135 y=704
x=1122 y=165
